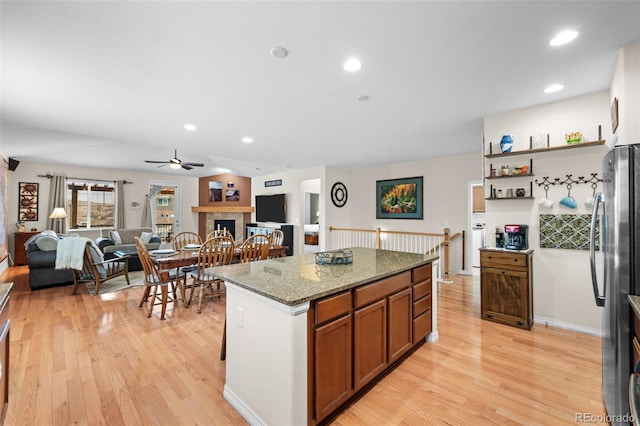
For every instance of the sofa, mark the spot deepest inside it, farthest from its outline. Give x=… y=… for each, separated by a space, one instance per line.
x=123 y=239
x=41 y=254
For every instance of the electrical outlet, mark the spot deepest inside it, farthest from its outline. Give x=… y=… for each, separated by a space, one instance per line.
x=240 y=317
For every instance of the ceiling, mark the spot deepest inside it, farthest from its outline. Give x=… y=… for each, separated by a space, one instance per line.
x=110 y=84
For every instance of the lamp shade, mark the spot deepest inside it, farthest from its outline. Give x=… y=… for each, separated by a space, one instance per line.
x=58 y=213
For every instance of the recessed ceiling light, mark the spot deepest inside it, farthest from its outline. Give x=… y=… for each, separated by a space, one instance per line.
x=279 y=52
x=563 y=37
x=247 y=139
x=190 y=127
x=362 y=98
x=554 y=88
x=352 y=65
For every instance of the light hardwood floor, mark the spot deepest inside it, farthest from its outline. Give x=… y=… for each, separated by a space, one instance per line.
x=99 y=360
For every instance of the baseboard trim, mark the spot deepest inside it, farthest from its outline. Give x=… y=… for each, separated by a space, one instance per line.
x=542 y=321
x=245 y=411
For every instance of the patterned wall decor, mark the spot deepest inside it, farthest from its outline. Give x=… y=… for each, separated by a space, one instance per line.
x=567 y=231
x=28 y=202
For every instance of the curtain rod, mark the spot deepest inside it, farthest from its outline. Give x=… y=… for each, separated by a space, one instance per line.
x=48 y=176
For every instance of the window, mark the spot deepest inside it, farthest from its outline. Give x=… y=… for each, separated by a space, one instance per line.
x=91 y=204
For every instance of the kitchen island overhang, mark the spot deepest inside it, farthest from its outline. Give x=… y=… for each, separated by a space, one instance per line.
x=273 y=367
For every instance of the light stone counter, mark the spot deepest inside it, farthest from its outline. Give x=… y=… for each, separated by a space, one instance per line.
x=297 y=279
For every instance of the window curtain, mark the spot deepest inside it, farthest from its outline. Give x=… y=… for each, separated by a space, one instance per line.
x=57 y=198
x=120 y=205
x=147 y=220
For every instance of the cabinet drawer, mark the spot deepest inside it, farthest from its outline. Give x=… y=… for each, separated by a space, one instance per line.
x=421 y=326
x=421 y=306
x=421 y=273
x=422 y=289
x=333 y=307
x=501 y=259
x=379 y=289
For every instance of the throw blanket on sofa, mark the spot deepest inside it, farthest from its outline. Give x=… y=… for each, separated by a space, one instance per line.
x=70 y=252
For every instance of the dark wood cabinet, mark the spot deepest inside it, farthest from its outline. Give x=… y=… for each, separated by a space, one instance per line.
x=506 y=287
x=370 y=342
x=400 y=322
x=361 y=333
x=332 y=376
x=20 y=254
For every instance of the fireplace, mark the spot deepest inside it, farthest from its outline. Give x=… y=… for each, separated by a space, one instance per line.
x=228 y=224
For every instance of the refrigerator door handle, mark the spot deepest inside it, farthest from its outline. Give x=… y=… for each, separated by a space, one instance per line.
x=599 y=199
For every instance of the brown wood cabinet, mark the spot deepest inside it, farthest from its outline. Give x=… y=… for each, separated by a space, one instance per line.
x=506 y=280
x=20 y=255
x=361 y=333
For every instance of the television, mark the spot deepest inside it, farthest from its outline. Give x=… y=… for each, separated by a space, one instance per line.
x=271 y=208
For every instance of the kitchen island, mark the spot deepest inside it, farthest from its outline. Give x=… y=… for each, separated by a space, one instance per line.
x=304 y=339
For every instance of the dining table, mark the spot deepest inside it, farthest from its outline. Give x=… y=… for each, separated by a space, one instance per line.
x=167 y=260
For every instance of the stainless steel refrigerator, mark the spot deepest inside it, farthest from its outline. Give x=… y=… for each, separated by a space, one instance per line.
x=618 y=210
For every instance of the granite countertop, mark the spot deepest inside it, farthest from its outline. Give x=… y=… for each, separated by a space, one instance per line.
x=297 y=279
x=5 y=288
x=507 y=250
x=634 y=301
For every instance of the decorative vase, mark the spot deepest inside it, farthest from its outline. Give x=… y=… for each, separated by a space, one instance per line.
x=506 y=143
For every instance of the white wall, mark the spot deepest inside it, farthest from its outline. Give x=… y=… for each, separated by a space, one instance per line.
x=626 y=87
x=562 y=293
x=29 y=171
x=294 y=190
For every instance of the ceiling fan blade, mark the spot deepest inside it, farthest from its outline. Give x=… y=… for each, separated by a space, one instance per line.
x=193 y=164
x=186 y=166
x=163 y=165
x=157 y=162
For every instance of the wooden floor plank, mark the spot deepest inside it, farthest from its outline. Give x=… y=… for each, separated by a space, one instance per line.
x=93 y=360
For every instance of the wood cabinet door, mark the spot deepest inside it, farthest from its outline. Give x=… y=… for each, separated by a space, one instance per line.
x=478 y=198
x=505 y=296
x=370 y=342
x=333 y=385
x=399 y=325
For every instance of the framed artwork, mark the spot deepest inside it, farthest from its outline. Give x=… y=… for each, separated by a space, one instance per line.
x=215 y=190
x=399 y=198
x=28 y=201
x=232 y=195
x=614 y=115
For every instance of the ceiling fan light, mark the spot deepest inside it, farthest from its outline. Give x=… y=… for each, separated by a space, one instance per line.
x=175 y=165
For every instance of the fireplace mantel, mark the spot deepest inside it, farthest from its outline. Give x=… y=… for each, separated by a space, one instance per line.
x=222 y=209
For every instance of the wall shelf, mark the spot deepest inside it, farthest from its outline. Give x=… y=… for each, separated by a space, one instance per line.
x=546 y=149
x=222 y=209
x=508 y=198
x=510 y=176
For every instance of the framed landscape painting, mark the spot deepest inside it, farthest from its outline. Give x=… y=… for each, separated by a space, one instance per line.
x=399 y=198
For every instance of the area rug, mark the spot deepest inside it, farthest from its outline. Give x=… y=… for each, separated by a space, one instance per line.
x=136 y=278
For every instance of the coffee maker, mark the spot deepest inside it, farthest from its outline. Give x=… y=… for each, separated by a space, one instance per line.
x=515 y=237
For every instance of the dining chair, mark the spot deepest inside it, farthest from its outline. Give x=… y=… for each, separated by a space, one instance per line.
x=215 y=251
x=221 y=233
x=183 y=238
x=155 y=278
x=276 y=238
x=256 y=247
x=97 y=270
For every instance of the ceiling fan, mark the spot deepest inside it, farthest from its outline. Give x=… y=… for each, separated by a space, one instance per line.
x=176 y=163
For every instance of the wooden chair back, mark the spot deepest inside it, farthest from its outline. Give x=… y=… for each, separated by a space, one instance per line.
x=256 y=247
x=151 y=275
x=215 y=251
x=276 y=238
x=184 y=238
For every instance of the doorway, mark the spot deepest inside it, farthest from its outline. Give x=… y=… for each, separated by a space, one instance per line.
x=311 y=215
x=165 y=208
x=476 y=224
